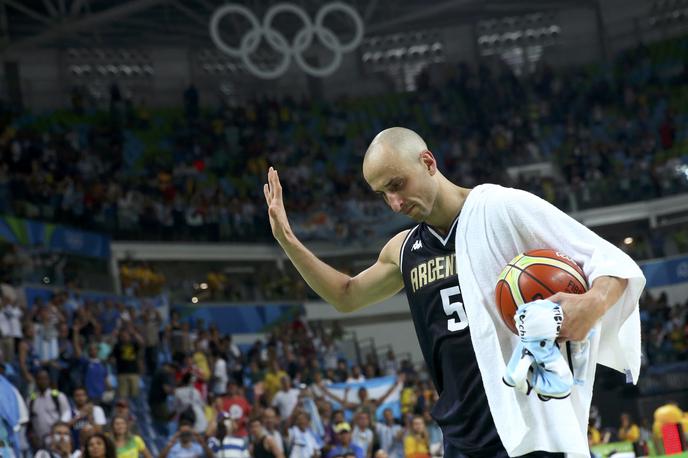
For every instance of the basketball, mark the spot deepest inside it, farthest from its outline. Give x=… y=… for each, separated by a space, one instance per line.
x=536 y=274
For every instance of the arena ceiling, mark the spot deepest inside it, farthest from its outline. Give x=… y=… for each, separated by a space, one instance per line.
x=28 y=24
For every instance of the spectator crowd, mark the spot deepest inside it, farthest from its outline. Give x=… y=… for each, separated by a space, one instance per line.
x=614 y=133
x=111 y=377
x=108 y=377
x=100 y=378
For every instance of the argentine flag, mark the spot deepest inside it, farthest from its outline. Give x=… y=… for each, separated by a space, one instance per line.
x=376 y=387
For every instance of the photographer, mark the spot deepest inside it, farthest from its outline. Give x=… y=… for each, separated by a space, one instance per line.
x=186 y=443
x=59 y=443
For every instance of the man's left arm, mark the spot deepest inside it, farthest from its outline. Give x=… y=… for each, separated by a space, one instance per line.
x=581 y=311
x=613 y=275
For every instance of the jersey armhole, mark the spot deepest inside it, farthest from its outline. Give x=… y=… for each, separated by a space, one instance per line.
x=403 y=245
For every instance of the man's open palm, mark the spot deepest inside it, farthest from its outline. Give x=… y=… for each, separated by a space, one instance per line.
x=278 y=215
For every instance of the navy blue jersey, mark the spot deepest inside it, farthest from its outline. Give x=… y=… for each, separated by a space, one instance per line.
x=431 y=281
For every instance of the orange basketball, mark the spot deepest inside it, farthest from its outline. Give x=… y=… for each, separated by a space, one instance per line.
x=536 y=274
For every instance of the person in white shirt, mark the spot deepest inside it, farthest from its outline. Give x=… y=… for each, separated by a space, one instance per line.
x=46 y=335
x=224 y=443
x=316 y=386
x=6 y=341
x=233 y=355
x=302 y=441
x=390 y=365
x=220 y=377
x=362 y=434
x=46 y=407
x=186 y=396
x=391 y=435
x=356 y=375
x=58 y=444
x=286 y=399
x=85 y=412
x=10 y=327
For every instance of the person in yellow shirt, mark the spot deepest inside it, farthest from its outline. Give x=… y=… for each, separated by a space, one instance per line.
x=417 y=442
x=128 y=445
x=628 y=431
x=200 y=361
x=273 y=379
x=594 y=436
x=408 y=399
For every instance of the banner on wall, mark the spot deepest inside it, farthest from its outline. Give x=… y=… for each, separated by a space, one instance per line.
x=240 y=318
x=54 y=237
x=666 y=272
x=160 y=302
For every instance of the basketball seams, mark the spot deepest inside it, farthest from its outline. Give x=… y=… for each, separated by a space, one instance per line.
x=547 y=272
x=525 y=271
x=528 y=257
x=528 y=261
x=537 y=280
x=504 y=284
x=501 y=286
x=583 y=285
x=546 y=261
x=512 y=281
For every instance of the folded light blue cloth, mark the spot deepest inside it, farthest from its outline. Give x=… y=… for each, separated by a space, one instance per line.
x=537 y=363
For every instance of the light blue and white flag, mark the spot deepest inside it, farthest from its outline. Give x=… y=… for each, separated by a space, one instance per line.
x=376 y=387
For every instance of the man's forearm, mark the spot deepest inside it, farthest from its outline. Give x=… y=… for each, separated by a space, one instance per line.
x=327 y=282
x=608 y=291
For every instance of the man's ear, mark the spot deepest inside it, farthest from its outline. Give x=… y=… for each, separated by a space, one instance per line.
x=429 y=161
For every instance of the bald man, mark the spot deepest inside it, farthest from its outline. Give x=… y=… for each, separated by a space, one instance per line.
x=400 y=168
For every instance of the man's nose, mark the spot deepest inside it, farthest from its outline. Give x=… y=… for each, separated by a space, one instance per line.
x=395 y=202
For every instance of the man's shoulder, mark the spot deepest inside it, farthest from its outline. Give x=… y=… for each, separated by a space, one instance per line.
x=497 y=194
x=397 y=240
x=391 y=252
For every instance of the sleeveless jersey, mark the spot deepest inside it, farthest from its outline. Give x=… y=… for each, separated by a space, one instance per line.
x=260 y=450
x=431 y=281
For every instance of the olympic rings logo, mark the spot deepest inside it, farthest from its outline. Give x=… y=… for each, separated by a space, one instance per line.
x=302 y=40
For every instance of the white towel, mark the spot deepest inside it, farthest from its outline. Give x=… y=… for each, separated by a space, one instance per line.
x=495 y=225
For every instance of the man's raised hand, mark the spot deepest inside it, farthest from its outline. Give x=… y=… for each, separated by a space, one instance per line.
x=278 y=215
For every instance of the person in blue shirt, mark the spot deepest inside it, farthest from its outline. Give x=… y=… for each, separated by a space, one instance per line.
x=345 y=446
x=109 y=317
x=94 y=371
x=186 y=443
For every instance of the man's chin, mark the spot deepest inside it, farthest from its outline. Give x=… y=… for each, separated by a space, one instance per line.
x=417 y=216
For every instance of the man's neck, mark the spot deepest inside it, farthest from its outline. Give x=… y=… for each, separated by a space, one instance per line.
x=449 y=202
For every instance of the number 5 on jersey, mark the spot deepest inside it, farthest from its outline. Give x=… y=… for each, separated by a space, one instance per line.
x=451 y=308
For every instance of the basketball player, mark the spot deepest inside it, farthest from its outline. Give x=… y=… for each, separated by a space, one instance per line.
x=400 y=168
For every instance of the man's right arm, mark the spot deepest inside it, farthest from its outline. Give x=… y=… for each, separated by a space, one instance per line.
x=345 y=293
